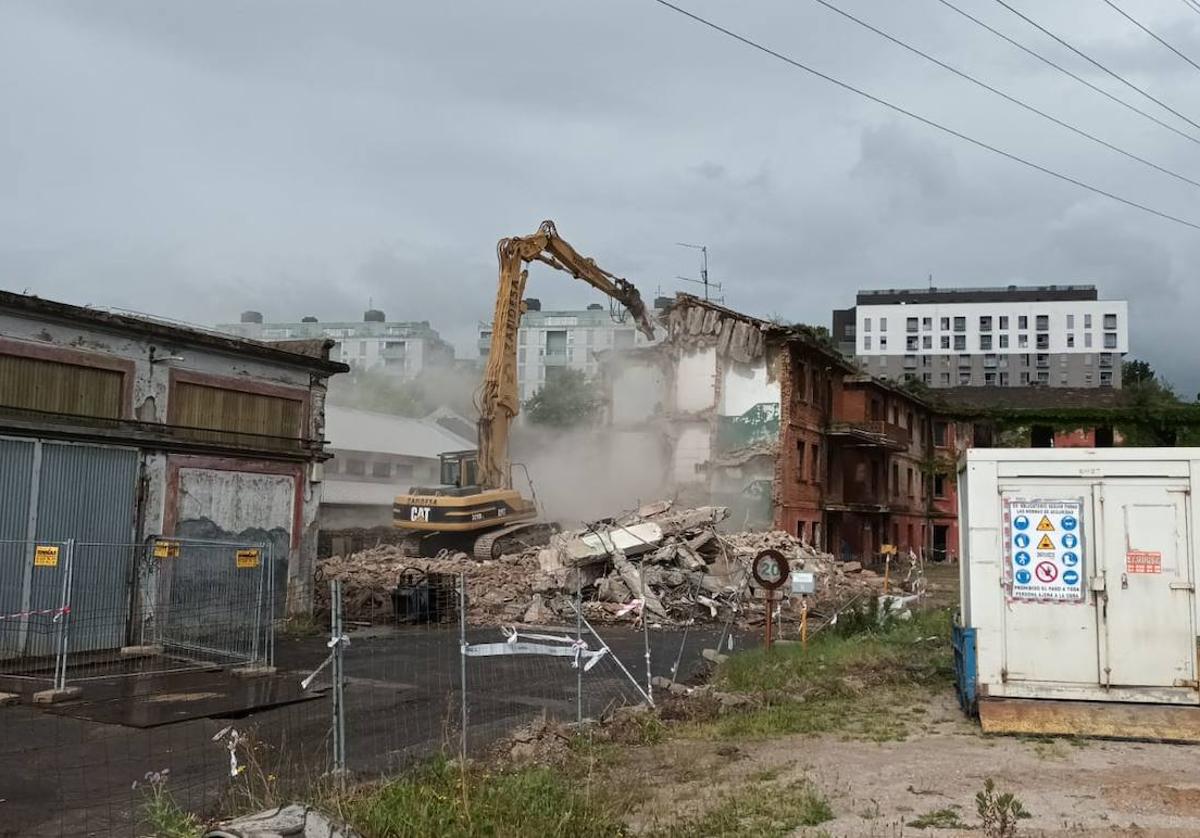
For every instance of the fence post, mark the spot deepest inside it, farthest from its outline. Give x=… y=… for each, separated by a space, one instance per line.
x=646 y=632
x=579 y=645
x=339 y=709
x=462 y=654
x=63 y=639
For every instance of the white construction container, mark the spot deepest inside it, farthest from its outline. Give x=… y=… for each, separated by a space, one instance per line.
x=1078 y=574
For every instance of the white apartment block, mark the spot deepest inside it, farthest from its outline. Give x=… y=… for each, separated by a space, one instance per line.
x=403 y=348
x=1050 y=336
x=549 y=341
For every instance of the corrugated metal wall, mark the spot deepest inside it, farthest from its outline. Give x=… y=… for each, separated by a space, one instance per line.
x=88 y=492
x=84 y=492
x=16 y=469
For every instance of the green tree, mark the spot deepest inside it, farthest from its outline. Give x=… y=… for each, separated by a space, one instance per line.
x=566 y=400
x=1137 y=372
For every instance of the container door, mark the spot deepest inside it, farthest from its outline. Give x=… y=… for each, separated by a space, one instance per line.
x=1048 y=640
x=1149 y=637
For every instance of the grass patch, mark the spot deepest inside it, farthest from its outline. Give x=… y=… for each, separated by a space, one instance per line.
x=858 y=683
x=947 y=818
x=301 y=626
x=759 y=811
x=441 y=800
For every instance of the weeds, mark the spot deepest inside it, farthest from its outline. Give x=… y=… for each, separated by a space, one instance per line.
x=947 y=818
x=999 y=813
x=440 y=799
x=760 y=810
x=159 y=812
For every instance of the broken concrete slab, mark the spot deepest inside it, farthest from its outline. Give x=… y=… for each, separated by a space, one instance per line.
x=714 y=656
x=537 y=611
x=632 y=577
x=632 y=540
x=9 y=698
x=294 y=821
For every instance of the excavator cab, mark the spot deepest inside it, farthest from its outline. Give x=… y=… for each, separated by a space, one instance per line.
x=460 y=470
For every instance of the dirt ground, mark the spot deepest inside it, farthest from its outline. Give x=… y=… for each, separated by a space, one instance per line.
x=1071 y=787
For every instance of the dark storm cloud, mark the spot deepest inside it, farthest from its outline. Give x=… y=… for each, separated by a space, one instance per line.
x=195 y=159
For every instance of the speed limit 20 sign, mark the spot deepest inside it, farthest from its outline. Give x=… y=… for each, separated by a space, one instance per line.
x=770 y=569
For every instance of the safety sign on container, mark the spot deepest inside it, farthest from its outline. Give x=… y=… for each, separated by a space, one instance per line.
x=1044 y=550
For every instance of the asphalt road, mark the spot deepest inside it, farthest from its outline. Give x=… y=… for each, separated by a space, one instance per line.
x=73 y=771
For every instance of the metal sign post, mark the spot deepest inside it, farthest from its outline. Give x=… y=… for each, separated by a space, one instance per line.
x=770 y=571
x=804 y=582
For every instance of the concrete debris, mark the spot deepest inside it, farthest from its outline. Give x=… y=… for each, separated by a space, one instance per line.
x=293 y=821
x=680 y=568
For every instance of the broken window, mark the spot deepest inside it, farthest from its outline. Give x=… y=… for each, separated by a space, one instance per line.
x=939 y=485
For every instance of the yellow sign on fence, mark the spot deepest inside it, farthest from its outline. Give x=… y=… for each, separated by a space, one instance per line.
x=45 y=555
x=166 y=549
x=247 y=558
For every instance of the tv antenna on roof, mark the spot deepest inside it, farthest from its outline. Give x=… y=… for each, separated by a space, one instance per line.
x=703 y=280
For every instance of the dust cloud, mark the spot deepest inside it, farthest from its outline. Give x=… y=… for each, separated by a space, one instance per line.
x=583 y=474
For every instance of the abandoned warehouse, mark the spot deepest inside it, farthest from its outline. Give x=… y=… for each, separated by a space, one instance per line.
x=116 y=429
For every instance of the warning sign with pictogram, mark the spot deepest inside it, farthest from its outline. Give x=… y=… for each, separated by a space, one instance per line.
x=1055 y=571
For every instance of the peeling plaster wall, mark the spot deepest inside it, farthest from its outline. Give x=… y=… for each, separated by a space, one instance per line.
x=693 y=450
x=638 y=393
x=242 y=506
x=696 y=381
x=745 y=386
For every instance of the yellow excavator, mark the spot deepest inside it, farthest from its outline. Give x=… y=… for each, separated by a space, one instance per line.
x=476 y=509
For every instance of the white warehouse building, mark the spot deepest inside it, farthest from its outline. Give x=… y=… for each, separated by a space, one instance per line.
x=1050 y=336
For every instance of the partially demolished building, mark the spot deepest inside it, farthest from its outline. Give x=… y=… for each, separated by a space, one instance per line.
x=774 y=423
x=708 y=397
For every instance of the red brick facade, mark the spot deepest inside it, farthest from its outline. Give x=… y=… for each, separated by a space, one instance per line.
x=861 y=463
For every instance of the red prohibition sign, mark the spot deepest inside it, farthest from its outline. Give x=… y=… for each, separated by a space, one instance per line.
x=1046 y=572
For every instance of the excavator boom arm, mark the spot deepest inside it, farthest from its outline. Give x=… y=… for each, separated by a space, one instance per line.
x=499 y=399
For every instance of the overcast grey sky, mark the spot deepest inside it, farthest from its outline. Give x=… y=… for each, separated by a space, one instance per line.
x=193 y=159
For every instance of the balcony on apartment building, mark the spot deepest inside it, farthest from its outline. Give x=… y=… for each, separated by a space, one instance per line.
x=555 y=357
x=870 y=433
x=857 y=496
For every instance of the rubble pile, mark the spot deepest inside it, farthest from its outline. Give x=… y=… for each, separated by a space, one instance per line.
x=670 y=566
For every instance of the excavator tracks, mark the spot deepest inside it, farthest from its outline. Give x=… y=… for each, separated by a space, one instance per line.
x=512 y=539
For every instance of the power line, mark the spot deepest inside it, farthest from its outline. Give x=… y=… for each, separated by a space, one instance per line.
x=1073 y=75
x=1096 y=63
x=1193 y=5
x=1007 y=97
x=1140 y=26
x=924 y=120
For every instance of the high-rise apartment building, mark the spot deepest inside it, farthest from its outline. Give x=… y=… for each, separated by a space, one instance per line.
x=402 y=348
x=550 y=341
x=1046 y=335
